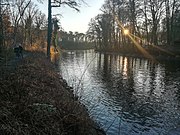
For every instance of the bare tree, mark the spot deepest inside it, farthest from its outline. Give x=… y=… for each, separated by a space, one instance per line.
x=18 y=11
x=94 y=32
x=40 y=20
x=157 y=10
x=29 y=18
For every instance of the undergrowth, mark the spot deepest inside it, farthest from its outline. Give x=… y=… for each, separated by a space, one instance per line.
x=35 y=100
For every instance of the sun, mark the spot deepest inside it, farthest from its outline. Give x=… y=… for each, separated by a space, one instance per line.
x=126 y=31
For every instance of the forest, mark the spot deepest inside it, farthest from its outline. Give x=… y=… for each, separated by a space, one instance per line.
x=149 y=22
x=22 y=22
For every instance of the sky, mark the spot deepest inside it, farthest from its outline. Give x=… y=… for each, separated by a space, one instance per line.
x=72 y=20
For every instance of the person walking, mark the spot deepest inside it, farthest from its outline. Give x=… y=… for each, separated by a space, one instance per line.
x=18 y=50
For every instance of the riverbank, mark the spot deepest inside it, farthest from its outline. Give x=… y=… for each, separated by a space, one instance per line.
x=35 y=99
x=160 y=54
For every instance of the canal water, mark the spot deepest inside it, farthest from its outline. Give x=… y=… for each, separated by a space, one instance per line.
x=126 y=95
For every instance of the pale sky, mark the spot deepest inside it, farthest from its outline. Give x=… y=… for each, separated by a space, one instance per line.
x=73 y=20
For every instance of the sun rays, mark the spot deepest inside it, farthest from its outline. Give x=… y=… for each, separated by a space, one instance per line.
x=135 y=39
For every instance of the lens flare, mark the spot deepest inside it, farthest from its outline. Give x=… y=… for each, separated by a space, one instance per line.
x=132 y=37
x=139 y=47
x=126 y=31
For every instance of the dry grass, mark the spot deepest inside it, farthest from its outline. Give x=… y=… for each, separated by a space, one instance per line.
x=35 y=100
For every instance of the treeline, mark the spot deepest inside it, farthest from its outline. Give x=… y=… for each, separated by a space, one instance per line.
x=76 y=40
x=22 y=22
x=155 y=22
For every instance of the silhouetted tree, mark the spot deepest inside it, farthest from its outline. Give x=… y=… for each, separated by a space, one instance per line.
x=18 y=10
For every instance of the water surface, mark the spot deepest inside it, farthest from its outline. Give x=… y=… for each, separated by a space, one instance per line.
x=125 y=95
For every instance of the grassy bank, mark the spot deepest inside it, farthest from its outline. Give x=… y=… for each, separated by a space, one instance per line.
x=34 y=99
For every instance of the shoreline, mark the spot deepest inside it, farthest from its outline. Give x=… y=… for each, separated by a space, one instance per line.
x=35 y=99
x=134 y=55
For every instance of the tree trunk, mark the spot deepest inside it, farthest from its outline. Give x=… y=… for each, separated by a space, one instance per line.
x=168 y=33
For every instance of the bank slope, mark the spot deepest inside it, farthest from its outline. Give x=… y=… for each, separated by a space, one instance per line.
x=34 y=99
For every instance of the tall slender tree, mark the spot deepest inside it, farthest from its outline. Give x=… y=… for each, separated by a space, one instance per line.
x=18 y=11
